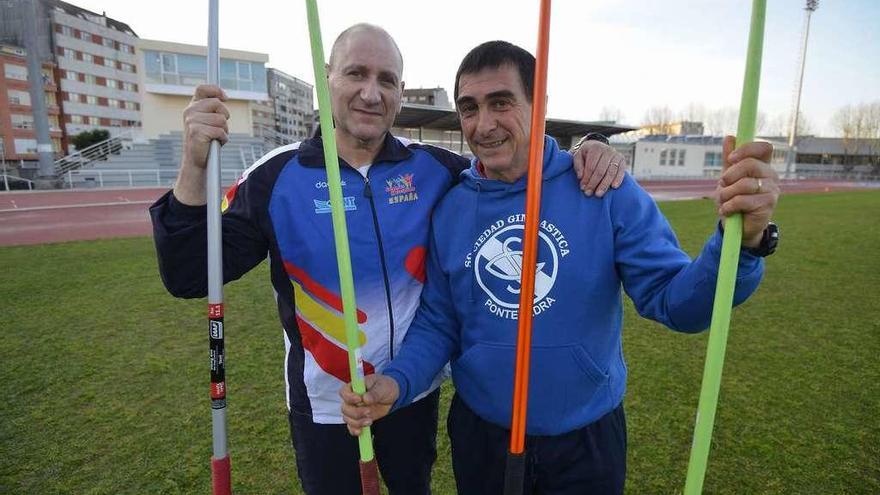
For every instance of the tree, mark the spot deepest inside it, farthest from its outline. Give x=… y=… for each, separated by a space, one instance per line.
x=611 y=114
x=658 y=120
x=87 y=138
x=781 y=126
x=859 y=126
x=694 y=112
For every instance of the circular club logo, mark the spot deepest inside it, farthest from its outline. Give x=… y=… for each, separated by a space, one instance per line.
x=498 y=266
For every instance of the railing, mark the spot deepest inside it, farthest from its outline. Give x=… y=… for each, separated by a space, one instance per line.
x=97 y=151
x=7 y=178
x=271 y=138
x=249 y=155
x=96 y=178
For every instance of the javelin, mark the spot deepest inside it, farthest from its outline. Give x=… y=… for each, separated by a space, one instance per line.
x=220 y=468
x=515 y=469
x=745 y=133
x=368 y=467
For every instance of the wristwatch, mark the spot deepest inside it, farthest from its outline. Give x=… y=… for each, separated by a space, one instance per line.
x=769 y=241
x=592 y=136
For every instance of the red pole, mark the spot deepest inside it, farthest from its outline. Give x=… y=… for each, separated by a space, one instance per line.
x=513 y=483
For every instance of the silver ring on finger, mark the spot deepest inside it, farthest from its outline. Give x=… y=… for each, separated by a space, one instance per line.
x=613 y=164
x=759 y=186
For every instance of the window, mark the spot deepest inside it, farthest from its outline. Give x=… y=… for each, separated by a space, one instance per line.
x=22 y=121
x=126 y=48
x=244 y=71
x=672 y=157
x=88 y=57
x=67 y=52
x=91 y=99
x=126 y=67
x=115 y=122
x=712 y=160
x=108 y=42
x=92 y=120
x=74 y=97
x=90 y=79
x=76 y=119
x=663 y=157
x=85 y=36
x=169 y=62
x=130 y=105
x=17 y=97
x=109 y=63
x=681 y=158
x=191 y=70
x=127 y=86
x=18 y=72
x=71 y=75
x=25 y=146
x=65 y=30
x=114 y=103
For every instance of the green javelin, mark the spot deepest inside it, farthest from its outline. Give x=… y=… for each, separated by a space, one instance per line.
x=745 y=133
x=340 y=232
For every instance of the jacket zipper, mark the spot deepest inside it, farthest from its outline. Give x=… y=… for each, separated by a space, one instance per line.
x=368 y=192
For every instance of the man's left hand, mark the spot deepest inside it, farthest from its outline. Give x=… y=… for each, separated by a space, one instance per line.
x=598 y=167
x=749 y=186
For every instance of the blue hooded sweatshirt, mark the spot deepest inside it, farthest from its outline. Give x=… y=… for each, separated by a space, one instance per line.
x=587 y=249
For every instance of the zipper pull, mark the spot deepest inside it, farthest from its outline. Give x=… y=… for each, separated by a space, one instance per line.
x=368 y=191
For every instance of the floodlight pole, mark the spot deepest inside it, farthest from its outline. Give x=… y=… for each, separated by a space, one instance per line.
x=790 y=156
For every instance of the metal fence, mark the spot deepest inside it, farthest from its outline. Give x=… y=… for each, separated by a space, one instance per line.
x=96 y=178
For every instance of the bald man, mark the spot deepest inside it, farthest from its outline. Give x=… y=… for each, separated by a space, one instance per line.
x=280 y=208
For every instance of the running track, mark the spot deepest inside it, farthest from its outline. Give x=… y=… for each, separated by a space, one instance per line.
x=39 y=217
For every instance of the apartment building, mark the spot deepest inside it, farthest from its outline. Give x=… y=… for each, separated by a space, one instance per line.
x=97 y=70
x=294 y=105
x=17 y=136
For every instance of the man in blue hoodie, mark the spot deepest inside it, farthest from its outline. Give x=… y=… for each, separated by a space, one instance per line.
x=587 y=250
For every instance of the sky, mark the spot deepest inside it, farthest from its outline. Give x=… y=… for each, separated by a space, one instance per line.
x=630 y=55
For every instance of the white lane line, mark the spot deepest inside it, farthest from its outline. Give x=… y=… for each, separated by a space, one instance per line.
x=87 y=205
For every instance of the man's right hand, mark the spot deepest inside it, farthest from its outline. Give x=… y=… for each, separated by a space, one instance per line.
x=360 y=411
x=204 y=120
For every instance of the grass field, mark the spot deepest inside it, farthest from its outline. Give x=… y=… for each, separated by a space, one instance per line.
x=105 y=384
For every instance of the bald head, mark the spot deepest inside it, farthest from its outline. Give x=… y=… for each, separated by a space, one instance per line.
x=363 y=33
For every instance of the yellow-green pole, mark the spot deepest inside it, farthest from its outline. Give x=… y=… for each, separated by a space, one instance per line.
x=368 y=466
x=724 y=289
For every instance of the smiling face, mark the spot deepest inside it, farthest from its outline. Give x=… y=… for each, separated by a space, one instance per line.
x=365 y=85
x=496 y=120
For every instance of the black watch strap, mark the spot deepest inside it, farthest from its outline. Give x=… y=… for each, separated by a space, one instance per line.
x=592 y=136
x=595 y=136
x=769 y=242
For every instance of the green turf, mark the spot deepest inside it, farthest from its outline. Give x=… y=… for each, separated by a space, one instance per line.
x=105 y=382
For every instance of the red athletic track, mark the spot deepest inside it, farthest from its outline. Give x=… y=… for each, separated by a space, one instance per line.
x=56 y=216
